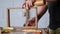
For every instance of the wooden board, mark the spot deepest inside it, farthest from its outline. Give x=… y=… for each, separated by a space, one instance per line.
x=26 y=32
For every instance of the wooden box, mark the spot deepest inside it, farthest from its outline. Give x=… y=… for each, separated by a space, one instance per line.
x=13 y=13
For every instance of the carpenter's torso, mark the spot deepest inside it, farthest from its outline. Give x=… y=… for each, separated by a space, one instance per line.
x=54 y=11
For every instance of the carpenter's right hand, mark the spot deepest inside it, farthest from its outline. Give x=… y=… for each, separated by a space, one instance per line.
x=28 y=4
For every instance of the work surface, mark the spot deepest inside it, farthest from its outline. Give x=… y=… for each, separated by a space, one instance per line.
x=43 y=31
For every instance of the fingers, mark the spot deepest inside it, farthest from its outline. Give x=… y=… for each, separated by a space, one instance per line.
x=27 y=5
x=30 y=3
x=31 y=22
x=23 y=5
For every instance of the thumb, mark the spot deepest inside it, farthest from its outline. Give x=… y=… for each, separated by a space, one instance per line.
x=24 y=5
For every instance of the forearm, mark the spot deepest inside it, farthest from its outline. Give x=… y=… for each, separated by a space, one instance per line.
x=41 y=11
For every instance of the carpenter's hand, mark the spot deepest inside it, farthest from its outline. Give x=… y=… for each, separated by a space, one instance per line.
x=28 y=4
x=31 y=22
